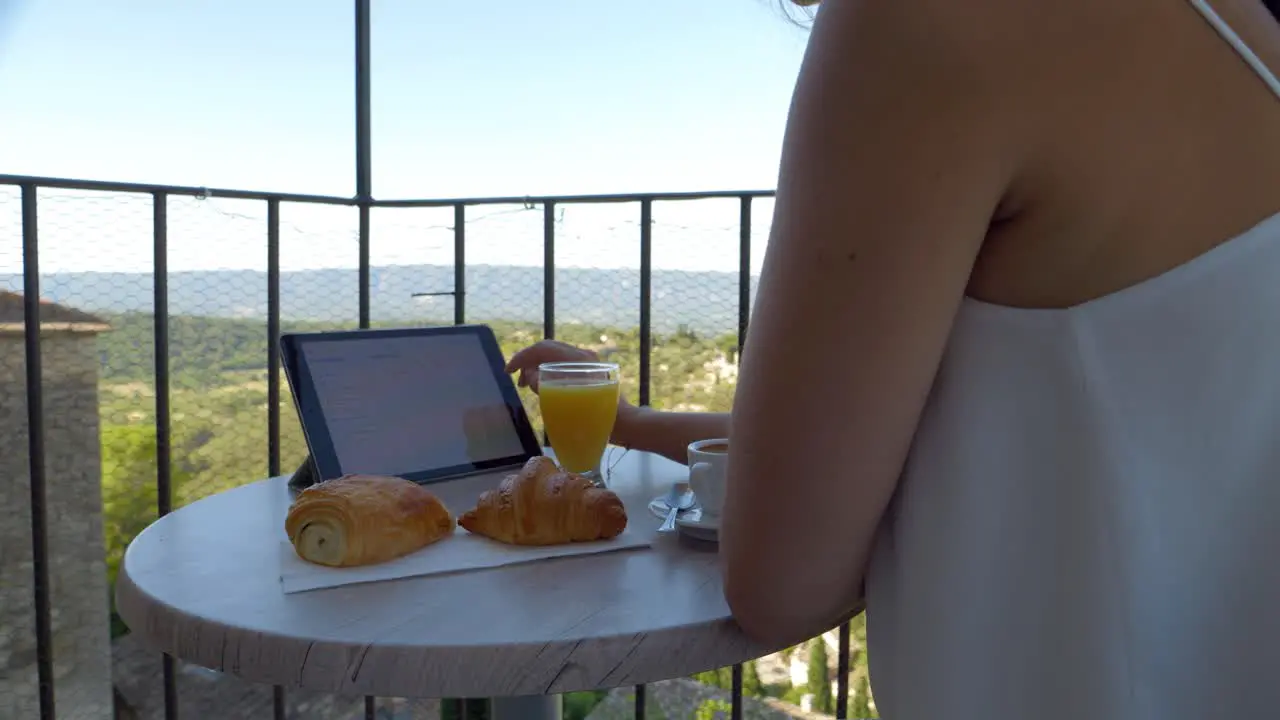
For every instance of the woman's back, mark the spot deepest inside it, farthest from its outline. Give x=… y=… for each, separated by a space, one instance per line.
x=1083 y=526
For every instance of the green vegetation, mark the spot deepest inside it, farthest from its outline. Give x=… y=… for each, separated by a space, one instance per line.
x=819 y=680
x=861 y=702
x=579 y=704
x=219 y=409
x=751 y=685
x=714 y=709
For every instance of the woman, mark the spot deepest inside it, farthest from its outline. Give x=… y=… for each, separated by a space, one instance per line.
x=1014 y=365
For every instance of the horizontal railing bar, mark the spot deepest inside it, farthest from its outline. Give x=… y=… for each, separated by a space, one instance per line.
x=233 y=194
x=578 y=199
x=151 y=189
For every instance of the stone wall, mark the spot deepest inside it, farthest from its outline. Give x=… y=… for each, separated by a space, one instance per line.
x=82 y=655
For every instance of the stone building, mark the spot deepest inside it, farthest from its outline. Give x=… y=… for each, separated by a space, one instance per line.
x=73 y=472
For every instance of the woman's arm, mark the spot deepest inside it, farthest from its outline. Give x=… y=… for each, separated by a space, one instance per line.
x=666 y=433
x=897 y=154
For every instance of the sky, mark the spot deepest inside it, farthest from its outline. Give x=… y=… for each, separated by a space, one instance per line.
x=498 y=98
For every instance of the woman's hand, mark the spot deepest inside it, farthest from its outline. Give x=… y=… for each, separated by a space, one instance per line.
x=526 y=361
x=641 y=428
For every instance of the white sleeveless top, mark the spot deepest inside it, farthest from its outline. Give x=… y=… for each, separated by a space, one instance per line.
x=1088 y=526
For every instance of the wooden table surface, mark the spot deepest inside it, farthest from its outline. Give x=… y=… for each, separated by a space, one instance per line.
x=203 y=584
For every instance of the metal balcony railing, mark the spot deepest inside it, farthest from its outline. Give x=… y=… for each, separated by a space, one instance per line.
x=30 y=189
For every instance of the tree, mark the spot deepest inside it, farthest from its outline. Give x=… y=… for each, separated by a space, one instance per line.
x=861 y=705
x=751 y=685
x=713 y=709
x=720 y=677
x=129 y=493
x=578 y=705
x=128 y=496
x=723 y=678
x=819 y=680
x=128 y=487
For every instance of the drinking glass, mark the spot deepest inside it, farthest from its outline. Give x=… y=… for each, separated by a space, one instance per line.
x=579 y=403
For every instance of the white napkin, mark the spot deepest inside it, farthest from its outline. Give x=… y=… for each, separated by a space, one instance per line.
x=464 y=551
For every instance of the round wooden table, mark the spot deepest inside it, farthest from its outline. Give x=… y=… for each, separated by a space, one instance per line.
x=203 y=584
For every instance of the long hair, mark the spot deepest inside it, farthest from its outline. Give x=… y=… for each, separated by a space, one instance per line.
x=801 y=12
x=1274 y=7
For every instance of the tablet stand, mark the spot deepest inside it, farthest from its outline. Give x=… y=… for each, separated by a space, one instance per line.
x=305 y=476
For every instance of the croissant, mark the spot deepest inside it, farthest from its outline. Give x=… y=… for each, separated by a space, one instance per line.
x=364 y=520
x=543 y=506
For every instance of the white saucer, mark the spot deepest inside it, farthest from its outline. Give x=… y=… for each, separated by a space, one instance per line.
x=692 y=522
x=697 y=525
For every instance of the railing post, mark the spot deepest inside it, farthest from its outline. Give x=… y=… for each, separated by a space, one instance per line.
x=364 y=183
x=549 y=270
x=744 y=270
x=273 y=337
x=459 y=264
x=364 y=95
x=842 y=670
x=32 y=335
x=363 y=277
x=646 y=290
x=364 y=169
x=278 y=707
x=744 y=312
x=160 y=318
x=164 y=443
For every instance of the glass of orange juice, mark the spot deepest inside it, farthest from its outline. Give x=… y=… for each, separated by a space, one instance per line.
x=579 y=403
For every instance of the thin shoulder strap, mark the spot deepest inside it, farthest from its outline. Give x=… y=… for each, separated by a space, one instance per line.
x=1234 y=41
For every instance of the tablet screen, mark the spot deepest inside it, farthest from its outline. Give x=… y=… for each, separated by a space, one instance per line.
x=408 y=403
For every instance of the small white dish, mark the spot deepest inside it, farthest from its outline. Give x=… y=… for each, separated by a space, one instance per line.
x=699 y=525
x=692 y=522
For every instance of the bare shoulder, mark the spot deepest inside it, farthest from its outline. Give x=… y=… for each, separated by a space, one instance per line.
x=975 y=43
x=974 y=29
x=1009 y=79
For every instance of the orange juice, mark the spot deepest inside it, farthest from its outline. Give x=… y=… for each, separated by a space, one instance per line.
x=579 y=416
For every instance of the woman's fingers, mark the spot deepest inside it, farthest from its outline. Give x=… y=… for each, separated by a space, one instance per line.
x=527 y=360
x=523 y=358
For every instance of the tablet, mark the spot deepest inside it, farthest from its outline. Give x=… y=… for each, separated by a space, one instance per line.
x=424 y=404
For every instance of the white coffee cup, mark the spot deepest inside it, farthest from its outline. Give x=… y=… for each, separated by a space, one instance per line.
x=708 y=473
